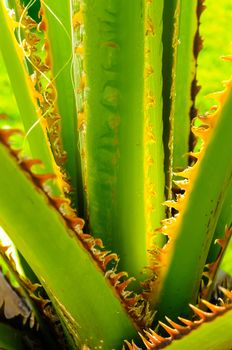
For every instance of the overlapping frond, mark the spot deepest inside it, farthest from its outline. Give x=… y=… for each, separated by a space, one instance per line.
x=134 y=303
x=177 y=331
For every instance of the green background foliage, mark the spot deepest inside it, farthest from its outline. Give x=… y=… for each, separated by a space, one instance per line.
x=215 y=28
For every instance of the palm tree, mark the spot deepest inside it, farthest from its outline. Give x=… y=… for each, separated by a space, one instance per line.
x=110 y=178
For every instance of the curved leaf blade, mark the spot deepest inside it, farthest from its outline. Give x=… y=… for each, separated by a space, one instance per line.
x=191 y=231
x=52 y=249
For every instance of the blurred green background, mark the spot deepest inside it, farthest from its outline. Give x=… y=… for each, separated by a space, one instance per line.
x=216 y=30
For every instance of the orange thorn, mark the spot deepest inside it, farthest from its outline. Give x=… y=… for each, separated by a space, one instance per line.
x=177 y=326
x=152 y=338
x=28 y=163
x=172 y=204
x=130 y=346
x=220 y=242
x=42 y=178
x=109 y=258
x=84 y=236
x=185 y=173
x=227 y=58
x=58 y=201
x=42 y=26
x=122 y=286
x=132 y=301
x=4 y=248
x=218 y=96
x=202 y=314
x=99 y=243
x=186 y=322
x=224 y=241
x=158 y=337
x=171 y=331
x=214 y=308
x=226 y=292
x=148 y=345
x=90 y=243
x=194 y=154
x=115 y=277
x=75 y=221
x=101 y=254
x=200 y=131
x=5 y=134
